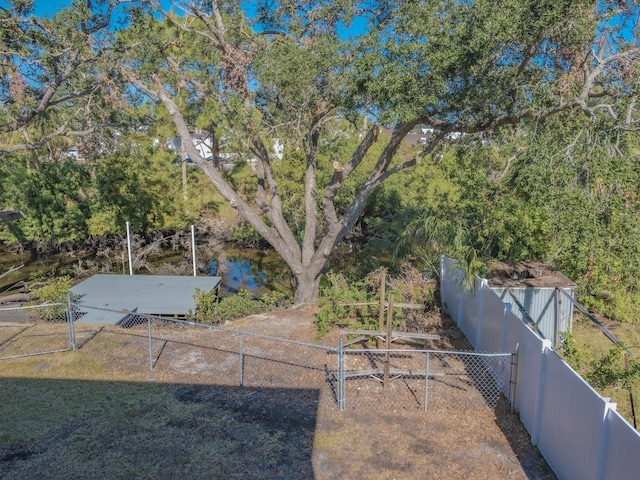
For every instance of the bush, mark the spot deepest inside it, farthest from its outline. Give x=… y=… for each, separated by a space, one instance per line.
x=206 y=303
x=55 y=292
x=357 y=304
x=210 y=309
x=274 y=299
x=341 y=305
x=237 y=306
x=58 y=292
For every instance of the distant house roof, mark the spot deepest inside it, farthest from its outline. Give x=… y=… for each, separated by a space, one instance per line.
x=113 y=297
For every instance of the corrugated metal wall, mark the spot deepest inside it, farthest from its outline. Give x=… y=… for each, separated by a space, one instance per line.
x=548 y=308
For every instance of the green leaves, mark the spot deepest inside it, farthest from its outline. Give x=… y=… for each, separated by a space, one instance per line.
x=213 y=310
x=471 y=62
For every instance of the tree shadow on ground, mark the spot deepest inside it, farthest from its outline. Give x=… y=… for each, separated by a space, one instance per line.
x=71 y=429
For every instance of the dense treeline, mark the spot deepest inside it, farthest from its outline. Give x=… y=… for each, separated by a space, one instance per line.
x=557 y=193
x=524 y=195
x=71 y=199
x=526 y=113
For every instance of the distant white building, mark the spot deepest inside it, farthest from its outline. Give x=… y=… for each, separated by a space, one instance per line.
x=278 y=149
x=202 y=143
x=72 y=153
x=201 y=140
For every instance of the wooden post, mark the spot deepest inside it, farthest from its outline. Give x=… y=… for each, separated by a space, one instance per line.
x=383 y=281
x=387 y=358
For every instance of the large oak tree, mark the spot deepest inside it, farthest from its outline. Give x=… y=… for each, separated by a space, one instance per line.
x=297 y=70
x=288 y=69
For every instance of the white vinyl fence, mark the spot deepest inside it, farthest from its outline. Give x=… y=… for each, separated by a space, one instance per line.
x=578 y=432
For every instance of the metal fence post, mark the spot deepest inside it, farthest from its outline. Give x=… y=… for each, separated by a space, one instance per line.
x=460 y=318
x=505 y=326
x=241 y=363
x=150 y=344
x=426 y=384
x=71 y=324
x=513 y=380
x=540 y=391
x=341 y=386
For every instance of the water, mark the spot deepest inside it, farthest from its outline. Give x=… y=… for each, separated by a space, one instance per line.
x=257 y=271
x=252 y=270
x=239 y=275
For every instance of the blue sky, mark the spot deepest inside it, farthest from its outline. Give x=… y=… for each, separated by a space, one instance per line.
x=43 y=7
x=48 y=7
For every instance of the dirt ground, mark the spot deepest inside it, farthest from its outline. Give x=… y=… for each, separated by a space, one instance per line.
x=180 y=424
x=389 y=436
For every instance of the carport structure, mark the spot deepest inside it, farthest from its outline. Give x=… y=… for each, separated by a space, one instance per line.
x=112 y=298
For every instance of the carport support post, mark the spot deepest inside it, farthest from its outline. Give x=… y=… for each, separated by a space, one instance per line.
x=129 y=249
x=193 y=249
x=341 y=385
x=241 y=368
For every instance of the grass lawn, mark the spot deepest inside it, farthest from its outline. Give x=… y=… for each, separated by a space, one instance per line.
x=53 y=428
x=95 y=413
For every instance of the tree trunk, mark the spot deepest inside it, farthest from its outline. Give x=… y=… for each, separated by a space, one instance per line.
x=307 y=286
x=16 y=297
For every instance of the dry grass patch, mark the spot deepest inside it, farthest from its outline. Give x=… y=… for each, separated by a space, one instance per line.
x=94 y=413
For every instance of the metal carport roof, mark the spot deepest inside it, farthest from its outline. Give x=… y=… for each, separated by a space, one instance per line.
x=119 y=295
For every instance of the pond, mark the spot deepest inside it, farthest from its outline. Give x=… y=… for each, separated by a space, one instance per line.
x=258 y=271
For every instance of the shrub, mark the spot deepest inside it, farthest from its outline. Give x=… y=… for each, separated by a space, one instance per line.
x=206 y=303
x=341 y=304
x=274 y=299
x=57 y=292
x=54 y=292
x=357 y=304
x=210 y=309
x=237 y=306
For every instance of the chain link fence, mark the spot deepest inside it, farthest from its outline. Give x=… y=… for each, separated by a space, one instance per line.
x=424 y=379
x=34 y=330
x=172 y=350
x=169 y=350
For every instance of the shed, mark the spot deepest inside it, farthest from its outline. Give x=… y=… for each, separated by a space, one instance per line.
x=538 y=295
x=110 y=299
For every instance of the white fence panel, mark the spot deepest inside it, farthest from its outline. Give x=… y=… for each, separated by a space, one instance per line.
x=529 y=374
x=490 y=339
x=570 y=421
x=621 y=451
x=576 y=430
x=471 y=309
x=451 y=293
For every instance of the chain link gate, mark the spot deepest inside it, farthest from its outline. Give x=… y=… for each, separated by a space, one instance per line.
x=35 y=330
x=424 y=378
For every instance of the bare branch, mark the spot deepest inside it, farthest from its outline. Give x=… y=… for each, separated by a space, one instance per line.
x=12 y=269
x=60 y=132
x=497 y=177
